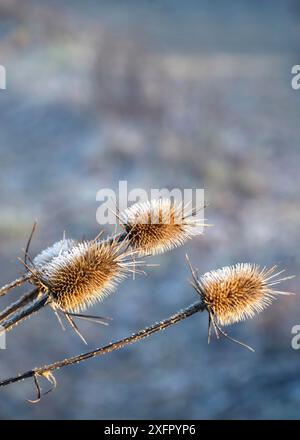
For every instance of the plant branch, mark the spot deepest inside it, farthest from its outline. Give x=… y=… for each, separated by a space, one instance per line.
x=142 y=334
x=15 y=283
x=21 y=302
x=27 y=311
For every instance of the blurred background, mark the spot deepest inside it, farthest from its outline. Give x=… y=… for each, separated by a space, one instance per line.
x=160 y=93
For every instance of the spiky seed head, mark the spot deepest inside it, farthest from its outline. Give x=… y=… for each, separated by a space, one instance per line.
x=234 y=293
x=58 y=248
x=160 y=225
x=86 y=273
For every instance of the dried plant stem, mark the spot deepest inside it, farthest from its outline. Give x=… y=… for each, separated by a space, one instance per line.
x=142 y=334
x=21 y=302
x=119 y=237
x=15 y=283
x=26 y=311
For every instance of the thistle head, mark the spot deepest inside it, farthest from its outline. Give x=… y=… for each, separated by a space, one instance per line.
x=159 y=226
x=86 y=273
x=234 y=293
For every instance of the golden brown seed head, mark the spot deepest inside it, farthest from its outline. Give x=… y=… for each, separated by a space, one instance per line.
x=86 y=273
x=158 y=226
x=238 y=292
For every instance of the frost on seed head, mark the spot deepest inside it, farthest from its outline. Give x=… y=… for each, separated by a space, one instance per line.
x=58 y=248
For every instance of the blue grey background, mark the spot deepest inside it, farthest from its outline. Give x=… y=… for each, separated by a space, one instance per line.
x=193 y=94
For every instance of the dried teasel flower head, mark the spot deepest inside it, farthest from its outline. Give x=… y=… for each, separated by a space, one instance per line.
x=234 y=293
x=86 y=273
x=159 y=225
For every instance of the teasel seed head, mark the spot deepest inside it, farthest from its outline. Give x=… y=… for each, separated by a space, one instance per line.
x=86 y=273
x=159 y=225
x=235 y=293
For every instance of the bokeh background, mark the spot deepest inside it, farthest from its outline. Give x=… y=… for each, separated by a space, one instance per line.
x=161 y=93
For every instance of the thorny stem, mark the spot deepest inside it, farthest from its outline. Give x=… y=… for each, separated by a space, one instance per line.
x=27 y=311
x=15 y=283
x=142 y=334
x=21 y=302
x=119 y=237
